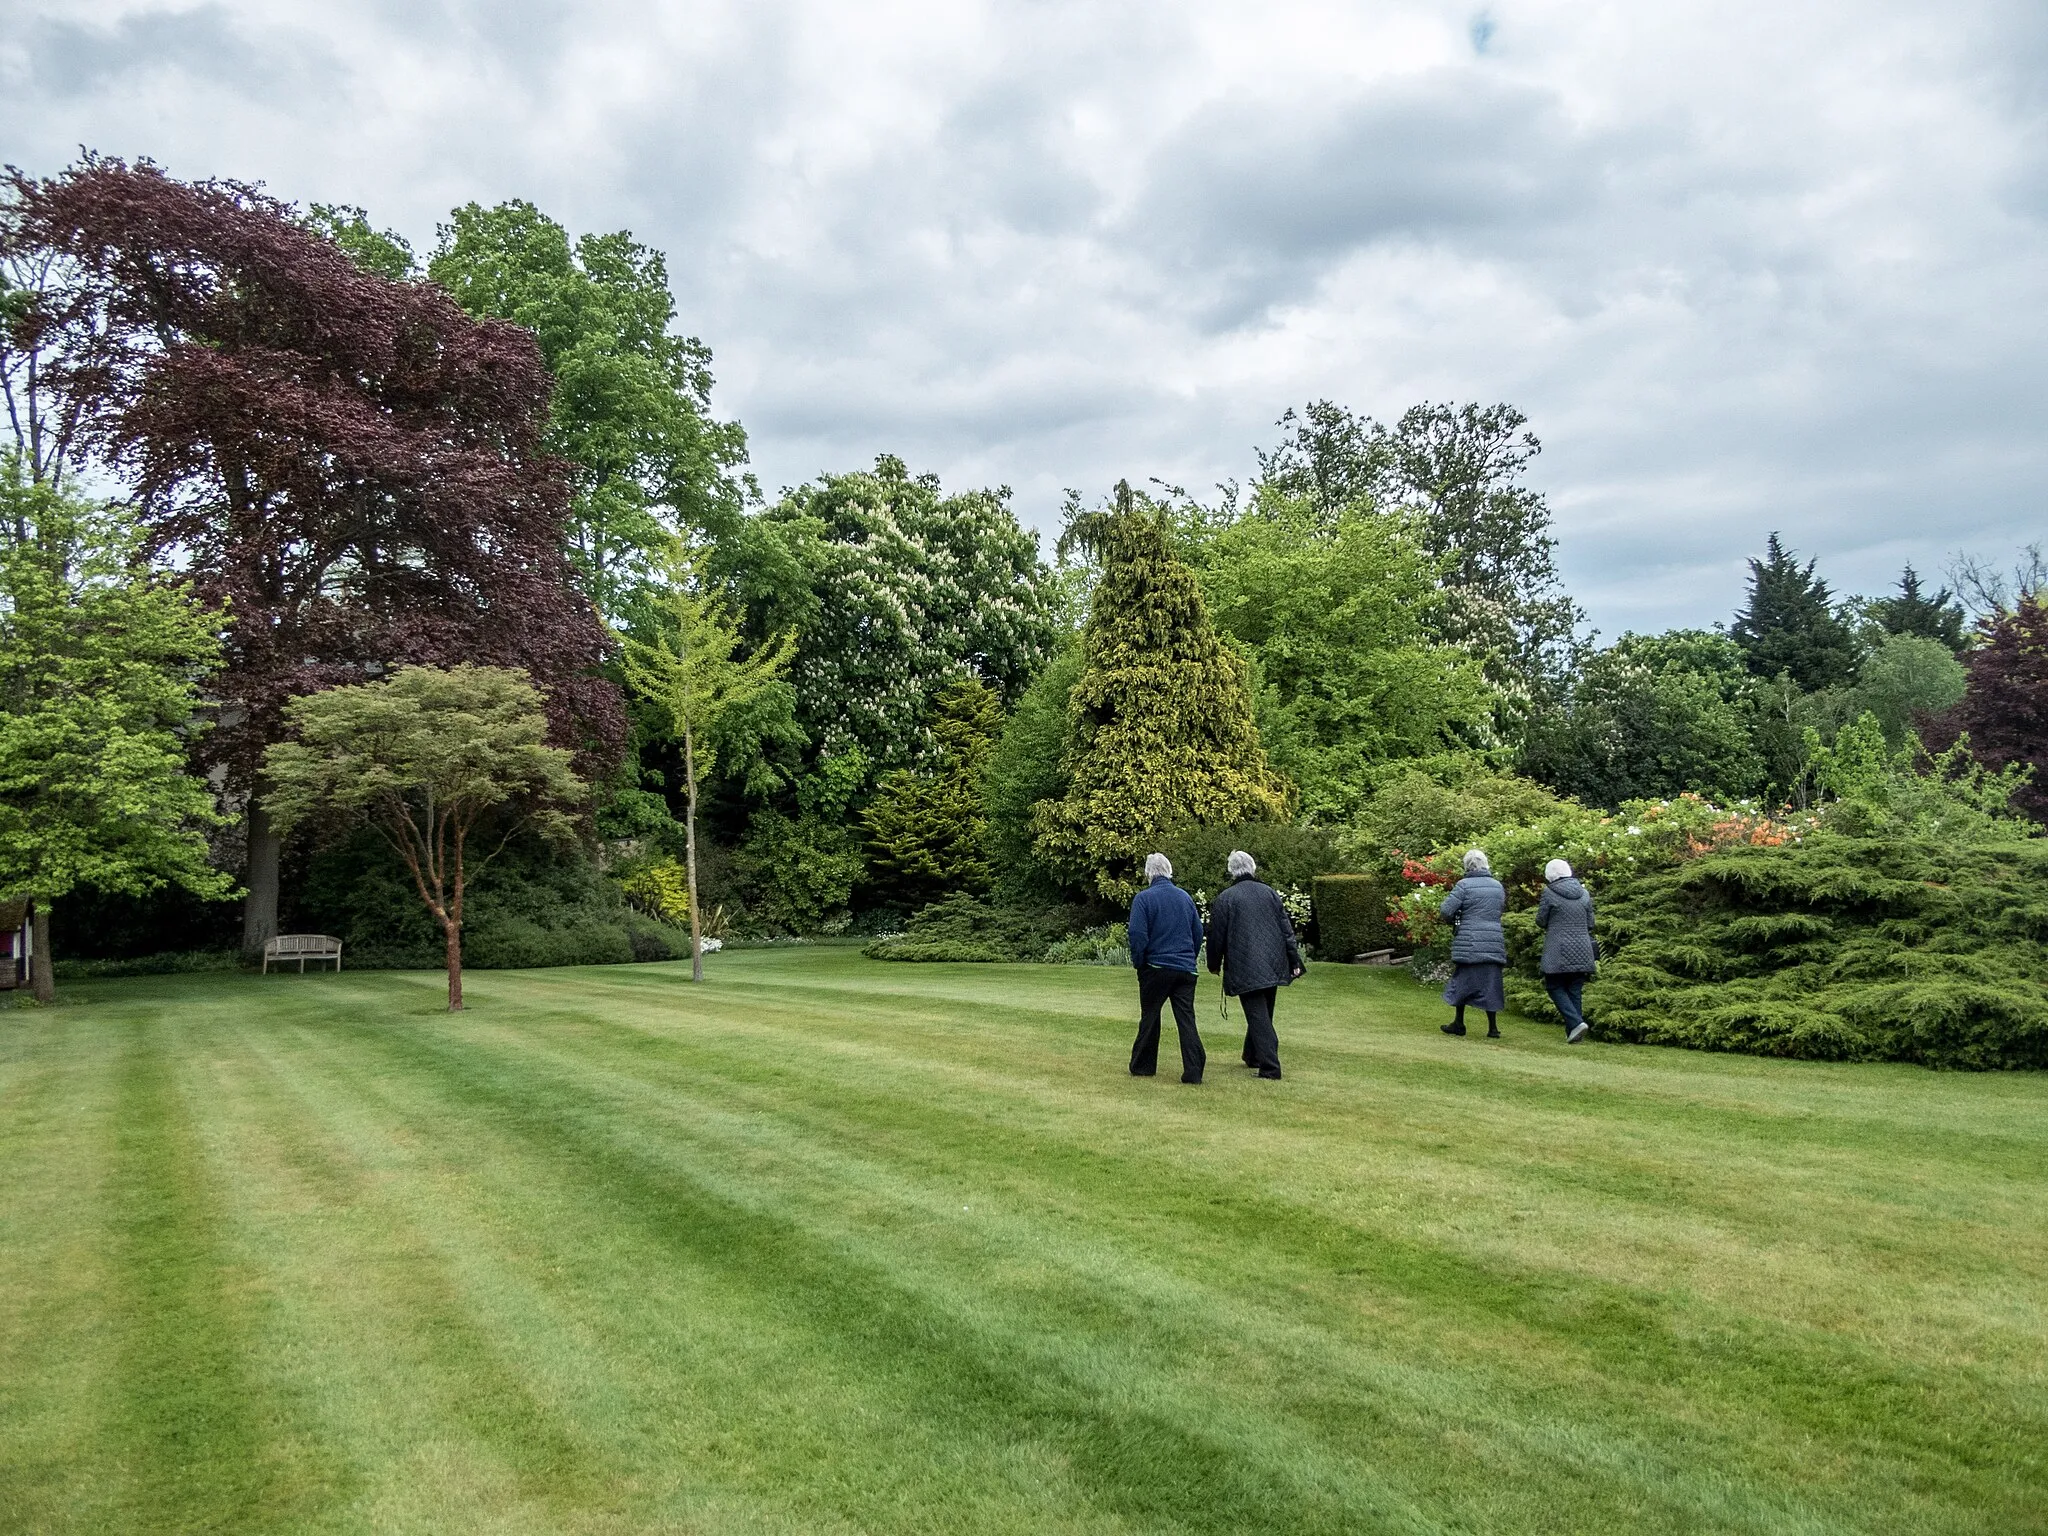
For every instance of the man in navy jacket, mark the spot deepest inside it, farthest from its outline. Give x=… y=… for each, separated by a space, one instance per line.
x=1166 y=941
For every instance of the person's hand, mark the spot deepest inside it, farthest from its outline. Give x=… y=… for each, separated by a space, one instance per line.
x=1298 y=970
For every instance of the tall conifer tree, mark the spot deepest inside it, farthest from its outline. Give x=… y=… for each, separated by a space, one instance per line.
x=1160 y=728
x=1790 y=625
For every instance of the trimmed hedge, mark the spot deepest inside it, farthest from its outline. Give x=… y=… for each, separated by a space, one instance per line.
x=1351 y=916
x=1834 y=948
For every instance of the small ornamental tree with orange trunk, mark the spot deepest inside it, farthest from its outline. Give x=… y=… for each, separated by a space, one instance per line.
x=427 y=757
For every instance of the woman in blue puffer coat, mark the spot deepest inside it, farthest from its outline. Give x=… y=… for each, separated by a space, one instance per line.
x=1479 y=951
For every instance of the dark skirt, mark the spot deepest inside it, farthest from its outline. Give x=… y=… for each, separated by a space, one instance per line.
x=1477 y=985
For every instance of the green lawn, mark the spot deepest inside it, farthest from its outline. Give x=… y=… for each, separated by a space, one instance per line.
x=830 y=1245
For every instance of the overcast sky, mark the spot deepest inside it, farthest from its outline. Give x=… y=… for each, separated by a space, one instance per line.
x=1744 y=265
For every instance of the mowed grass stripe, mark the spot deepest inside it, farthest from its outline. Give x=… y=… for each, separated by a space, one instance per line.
x=1502 y=1300
x=612 y=1254
x=1683 y=1201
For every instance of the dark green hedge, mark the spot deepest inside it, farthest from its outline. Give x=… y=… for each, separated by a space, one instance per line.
x=1836 y=948
x=1351 y=916
x=964 y=929
x=535 y=904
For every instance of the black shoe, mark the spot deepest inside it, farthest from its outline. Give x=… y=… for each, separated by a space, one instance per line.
x=1271 y=1077
x=1192 y=1082
x=1452 y=1029
x=1493 y=1031
x=1136 y=1073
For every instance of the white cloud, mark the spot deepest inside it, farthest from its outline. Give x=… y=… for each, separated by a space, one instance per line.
x=1745 y=266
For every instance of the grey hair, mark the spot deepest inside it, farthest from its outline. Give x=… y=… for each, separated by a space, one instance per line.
x=1475 y=862
x=1241 y=863
x=1157 y=864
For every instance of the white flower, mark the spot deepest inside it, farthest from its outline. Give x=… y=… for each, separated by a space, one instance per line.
x=711 y=946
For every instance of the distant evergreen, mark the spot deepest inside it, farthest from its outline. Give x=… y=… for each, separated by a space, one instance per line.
x=1939 y=617
x=1790 y=625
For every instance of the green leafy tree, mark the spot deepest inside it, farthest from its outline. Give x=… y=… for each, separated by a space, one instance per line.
x=895 y=589
x=802 y=870
x=1908 y=678
x=1789 y=624
x=1027 y=766
x=1462 y=471
x=428 y=758
x=1336 y=608
x=1650 y=717
x=632 y=400
x=1161 y=733
x=383 y=251
x=688 y=661
x=928 y=827
x=100 y=664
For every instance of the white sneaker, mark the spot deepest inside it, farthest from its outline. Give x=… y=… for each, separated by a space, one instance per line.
x=1578 y=1033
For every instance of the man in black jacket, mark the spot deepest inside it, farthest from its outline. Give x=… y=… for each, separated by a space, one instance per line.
x=1251 y=941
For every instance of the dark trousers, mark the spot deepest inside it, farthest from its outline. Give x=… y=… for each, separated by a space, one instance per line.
x=1261 y=1043
x=1567 y=992
x=1154 y=988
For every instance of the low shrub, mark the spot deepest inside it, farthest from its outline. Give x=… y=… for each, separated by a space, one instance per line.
x=966 y=929
x=1107 y=945
x=1833 y=947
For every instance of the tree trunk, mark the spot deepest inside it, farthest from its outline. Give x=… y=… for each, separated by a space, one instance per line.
x=453 y=923
x=259 y=907
x=690 y=853
x=454 y=931
x=42 y=977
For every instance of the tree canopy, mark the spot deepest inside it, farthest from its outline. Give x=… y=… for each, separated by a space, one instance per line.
x=100 y=665
x=631 y=408
x=1161 y=733
x=1789 y=623
x=1336 y=607
x=424 y=757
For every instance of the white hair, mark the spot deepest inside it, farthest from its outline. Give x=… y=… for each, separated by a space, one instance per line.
x=1475 y=862
x=1241 y=863
x=1157 y=864
x=1557 y=869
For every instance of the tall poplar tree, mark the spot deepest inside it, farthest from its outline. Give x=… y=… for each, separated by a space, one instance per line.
x=1161 y=733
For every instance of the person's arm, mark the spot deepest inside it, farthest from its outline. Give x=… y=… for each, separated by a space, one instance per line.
x=1453 y=903
x=1544 y=907
x=1195 y=927
x=1219 y=932
x=1140 y=930
x=1589 y=911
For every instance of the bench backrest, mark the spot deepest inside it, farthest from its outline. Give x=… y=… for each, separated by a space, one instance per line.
x=302 y=944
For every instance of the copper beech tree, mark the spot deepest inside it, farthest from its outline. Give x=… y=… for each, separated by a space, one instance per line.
x=430 y=759
x=347 y=463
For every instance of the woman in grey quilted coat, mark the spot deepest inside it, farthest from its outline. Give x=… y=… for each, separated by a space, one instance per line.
x=1565 y=914
x=1479 y=951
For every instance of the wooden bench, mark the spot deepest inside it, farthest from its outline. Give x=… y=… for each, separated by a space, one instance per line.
x=301 y=947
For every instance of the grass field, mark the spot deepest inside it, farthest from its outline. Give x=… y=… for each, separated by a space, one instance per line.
x=830 y=1245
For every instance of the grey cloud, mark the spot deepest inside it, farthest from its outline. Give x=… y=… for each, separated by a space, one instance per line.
x=1281 y=188
x=65 y=58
